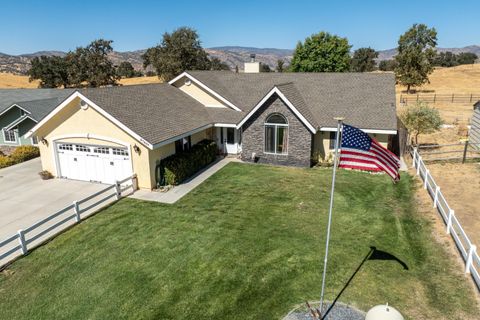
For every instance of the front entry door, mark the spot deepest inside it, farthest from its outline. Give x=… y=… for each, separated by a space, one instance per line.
x=229 y=140
x=230 y=143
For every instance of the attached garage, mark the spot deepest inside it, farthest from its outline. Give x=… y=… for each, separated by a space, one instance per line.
x=95 y=163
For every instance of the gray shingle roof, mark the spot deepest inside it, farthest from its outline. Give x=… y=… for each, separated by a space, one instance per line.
x=11 y=96
x=156 y=112
x=291 y=92
x=40 y=108
x=366 y=100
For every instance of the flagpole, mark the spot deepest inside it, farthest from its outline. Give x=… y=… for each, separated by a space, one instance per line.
x=335 y=163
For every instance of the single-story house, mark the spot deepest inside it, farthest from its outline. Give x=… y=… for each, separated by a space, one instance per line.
x=21 y=109
x=106 y=134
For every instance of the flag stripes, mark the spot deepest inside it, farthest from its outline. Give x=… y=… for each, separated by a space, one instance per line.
x=359 y=151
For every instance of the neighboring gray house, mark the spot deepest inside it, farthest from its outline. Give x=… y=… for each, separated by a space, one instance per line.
x=21 y=109
x=474 y=133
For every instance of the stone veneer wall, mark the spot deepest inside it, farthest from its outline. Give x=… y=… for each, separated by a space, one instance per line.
x=299 y=137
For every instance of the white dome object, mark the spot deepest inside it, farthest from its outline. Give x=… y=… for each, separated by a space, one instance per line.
x=383 y=312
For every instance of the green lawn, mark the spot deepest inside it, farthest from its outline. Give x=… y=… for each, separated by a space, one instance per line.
x=247 y=244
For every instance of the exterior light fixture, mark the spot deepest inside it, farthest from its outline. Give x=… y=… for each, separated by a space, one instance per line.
x=136 y=149
x=44 y=141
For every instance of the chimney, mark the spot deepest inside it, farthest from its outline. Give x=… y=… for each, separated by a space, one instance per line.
x=252 y=66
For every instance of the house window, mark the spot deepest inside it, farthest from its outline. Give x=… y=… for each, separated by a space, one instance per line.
x=276 y=134
x=230 y=135
x=183 y=144
x=66 y=147
x=9 y=136
x=120 y=152
x=34 y=140
x=102 y=150
x=82 y=148
x=333 y=135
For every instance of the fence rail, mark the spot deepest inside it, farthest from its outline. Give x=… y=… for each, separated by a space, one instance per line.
x=447 y=152
x=47 y=228
x=433 y=98
x=467 y=249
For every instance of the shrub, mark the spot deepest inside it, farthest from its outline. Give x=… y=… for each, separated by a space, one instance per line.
x=6 y=161
x=45 y=175
x=178 y=167
x=24 y=153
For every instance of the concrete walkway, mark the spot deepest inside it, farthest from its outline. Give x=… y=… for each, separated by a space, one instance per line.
x=177 y=192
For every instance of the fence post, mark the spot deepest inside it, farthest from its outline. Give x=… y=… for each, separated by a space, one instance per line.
x=76 y=209
x=452 y=96
x=414 y=157
x=435 y=199
x=434 y=98
x=118 y=192
x=23 y=243
x=451 y=213
x=465 y=152
x=418 y=164
x=470 y=258
x=426 y=179
x=471 y=96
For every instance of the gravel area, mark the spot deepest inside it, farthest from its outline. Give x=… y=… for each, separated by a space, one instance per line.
x=340 y=311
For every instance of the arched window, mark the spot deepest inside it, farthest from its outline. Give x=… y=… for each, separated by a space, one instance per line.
x=276 y=134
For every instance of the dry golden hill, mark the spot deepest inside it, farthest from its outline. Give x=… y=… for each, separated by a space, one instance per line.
x=12 y=81
x=461 y=79
x=140 y=80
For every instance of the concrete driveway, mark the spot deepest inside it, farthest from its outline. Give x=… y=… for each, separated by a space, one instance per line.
x=26 y=199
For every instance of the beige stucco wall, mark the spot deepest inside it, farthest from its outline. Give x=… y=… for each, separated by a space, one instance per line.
x=198 y=93
x=321 y=142
x=78 y=123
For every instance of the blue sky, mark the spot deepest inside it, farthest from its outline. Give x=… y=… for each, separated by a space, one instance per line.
x=63 y=25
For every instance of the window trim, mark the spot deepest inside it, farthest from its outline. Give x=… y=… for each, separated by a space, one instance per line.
x=14 y=136
x=275 y=126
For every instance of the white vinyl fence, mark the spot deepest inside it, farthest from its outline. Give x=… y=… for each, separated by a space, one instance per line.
x=45 y=229
x=467 y=249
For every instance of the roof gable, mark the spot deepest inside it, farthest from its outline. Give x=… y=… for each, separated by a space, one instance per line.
x=151 y=113
x=291 y=91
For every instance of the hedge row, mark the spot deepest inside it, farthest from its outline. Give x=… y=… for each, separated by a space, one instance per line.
x=178 y=167
x=20 y=154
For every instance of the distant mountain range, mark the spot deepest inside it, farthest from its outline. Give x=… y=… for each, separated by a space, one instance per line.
x=232 y=55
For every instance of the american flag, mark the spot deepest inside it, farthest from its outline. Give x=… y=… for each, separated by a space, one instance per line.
x=359 y=151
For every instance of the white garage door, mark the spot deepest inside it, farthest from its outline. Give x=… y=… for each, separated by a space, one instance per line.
x=93 y=163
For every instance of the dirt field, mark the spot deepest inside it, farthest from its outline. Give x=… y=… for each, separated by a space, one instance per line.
x=459 y=187
x=439 y=229
x=11 y=81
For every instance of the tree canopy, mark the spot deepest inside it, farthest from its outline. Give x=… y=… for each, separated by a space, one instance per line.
x=416 y=52
x=280 y=65
x=86 y=66
x=126 y=70
x=52 y=71
x=421 y=119
x=179 y=51
x=321 y=52
x=217 y=64
x=363 y=60
x=387 y=65
x=265 y=67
